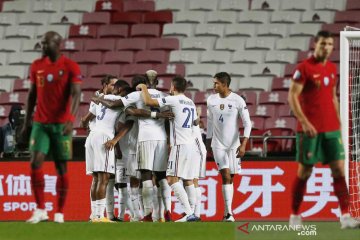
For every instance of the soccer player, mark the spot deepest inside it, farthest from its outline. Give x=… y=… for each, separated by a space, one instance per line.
x=313 y=100
x=55 y=90
x=224 y=110
x=181 y=141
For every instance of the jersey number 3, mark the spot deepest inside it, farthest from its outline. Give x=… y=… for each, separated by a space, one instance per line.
x=102 y=114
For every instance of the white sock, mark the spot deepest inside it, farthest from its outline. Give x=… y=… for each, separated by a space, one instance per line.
x=161 y=204
x=93 y=209
x=228 y=192
x=123 y=197
x=198 y=202
x=134 y=195
x=180 y=193
x=147 y=194
x=165 y=191
x=191 y=193
x=141 y=202
x=100 y=207
x=110 y=198
x=156 y=208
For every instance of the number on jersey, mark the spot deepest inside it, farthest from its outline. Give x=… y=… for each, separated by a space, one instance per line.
x=190 y=113
x=102 y=114
x=221 y=119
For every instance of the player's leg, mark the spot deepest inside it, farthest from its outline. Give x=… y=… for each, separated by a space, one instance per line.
x=110 y=198
x=103 y=180
x=93 y=194
x=39 y=147
x=197 y=209
x=156 y=203
x=89 y=159
x=134 y=195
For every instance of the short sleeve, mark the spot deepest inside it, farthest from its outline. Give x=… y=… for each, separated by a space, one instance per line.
x=165 y=101
x=92 y=108
x=131 y=98
x=299 y=74
x=75 y=73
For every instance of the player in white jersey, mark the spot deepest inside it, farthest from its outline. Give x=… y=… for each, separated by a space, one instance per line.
x=181 y=141
x=89 y=121
x=152 y=148
x=224 y=110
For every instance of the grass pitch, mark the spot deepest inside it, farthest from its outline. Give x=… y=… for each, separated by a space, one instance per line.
x=167 y=231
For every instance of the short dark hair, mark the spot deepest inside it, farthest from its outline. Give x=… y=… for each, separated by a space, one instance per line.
x=179 y=83
x=106 y=79
x=121 y=83
x=324 y=34
x=128 y=90
x=138 y=79
x=223 y=77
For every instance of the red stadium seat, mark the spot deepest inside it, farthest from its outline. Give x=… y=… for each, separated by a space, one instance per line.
x=273 y=98
x=352 y=5
x=86 y=97
x=83 y=70
x=109 y=6
x=131 y=70
x=139 y=6
x=335 y=56
x=303 y=55
x=103 y=70
x=72 y=45
x=113 y=31
x=121 y=57
x=96 y=18
x=164 y=84
x=280 y=84
x=161 y=17
x=201 y=97
x=83 y=31
x=135 y=44
x=334 y=28
x=285 y=111
x=289 y=70
x=265 y=111
x=127 y=18
x=164 y=44
x=145 y=30
x=169 y=70
x=281 y=127
x=349 y=17
x=21 y=85
x=14 y=97
x=284 y=123
x=105 y=44
x=87 y=57
x=149 y=56
x=4 y=111
x=257 y=123
x=91 y=84
x=250 y=97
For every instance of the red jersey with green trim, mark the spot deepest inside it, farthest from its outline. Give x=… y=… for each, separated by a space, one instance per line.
x=53 y=82
x=316 y=98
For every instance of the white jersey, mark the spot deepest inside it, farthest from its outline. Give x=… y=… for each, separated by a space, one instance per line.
x=124 y=141
x=149 y=129
x=92 y=109
x=197 y=133
x=184 y=109
x=128 y=143
x=223 y=124
x=106 y=118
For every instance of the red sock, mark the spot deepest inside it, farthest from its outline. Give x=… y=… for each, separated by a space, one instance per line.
x=62 y=185
x=38 y=184
x=298 y=191
x=342 y=194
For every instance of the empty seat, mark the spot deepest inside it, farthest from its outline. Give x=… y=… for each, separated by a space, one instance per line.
x=163 y=44
x=201 y=70
x=289 y=70
x=240 y=30
x=265 y=5
x=213 y=30
x=215 y=57
x=197 y=43
x=272 y=30
x=178 y=29
x=304 y=30
x=264 y=111
x=121 y=57
x=3 y=58
x=7 y=19
x=201 y=97
x=131 y=70
x=273 y=98
x=190 y=17
x=61 y=29
x=231 y=5
x=294 y=43
x=254 y=17
x=280 y=57
x=50 y=6
x=285 y=111
x=65 y=18
x=82 y=31
x=164 y=84
x=255 y=83
x=230 y=44
x=173 y=5
x=236 y=70
x=84 y=70
x=86 y=96
x=139 y=6
x=184 y=56
x=20 y=32
x=13 y=71
x=303 y=55
x=10 y=45
x=280 y=84
x=96 y=18
x=4 y=111
x=72 y=45
x=270 y=69
x=113 y=31
x=33 y=19
x=285 y=17
x=14 y=97
x=335 y=56
x=260 y=43
x=90 y=84
x=105 y=44
x=127 y=18
x=77 y=6
x=102 y=70
x=352 y=5
x=286 y=123
x=134 y=44
x=196 y=83
x=203 y=5
x=250 y=97
x=23 y=58
x=20 y=6
x=21 y=85
x=295 y=5
x=145 y=30
x=151 y=56
x=221 y=17
x=87 y=57
x=257 y=123
x=347 y=17
x=109 y=6
x=169 y=70
x=333 y=5
x=317 y=17
x=335 y=28
x=248 y=56
x=161 y=17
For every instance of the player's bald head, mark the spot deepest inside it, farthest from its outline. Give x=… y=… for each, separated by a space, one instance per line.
x=51 y=43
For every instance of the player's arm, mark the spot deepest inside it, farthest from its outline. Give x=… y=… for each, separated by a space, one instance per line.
x=146 y=96
x=336 y=103
x=30 y=105
x=143 y=113
x=293 y=98
x=124 y=128
x=245 y=118
x=209 y=128
x=84 y=121
x=75 y=92
x=108 y=103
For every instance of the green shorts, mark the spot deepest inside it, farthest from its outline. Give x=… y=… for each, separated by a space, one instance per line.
x=48 y=138
x=325 y=147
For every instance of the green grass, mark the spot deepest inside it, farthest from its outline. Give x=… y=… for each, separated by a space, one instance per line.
x=166 y=231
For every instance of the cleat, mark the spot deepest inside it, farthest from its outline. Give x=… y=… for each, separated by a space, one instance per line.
x=295 y=220
x=228 y=218
x=161 y=220
x=116 y=219
x=134 y=219
x=167 y=216
x=59 y=218
x=147 y=218
x=192 y=218
x=104 y=220
x=39 y=215
x=348 y=222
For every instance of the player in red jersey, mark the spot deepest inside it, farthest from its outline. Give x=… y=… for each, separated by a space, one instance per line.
x=55 y=90
x=313 y=100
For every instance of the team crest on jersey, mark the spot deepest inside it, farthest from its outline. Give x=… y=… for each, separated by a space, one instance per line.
x=50 y=77
x=230 y=106
x=61 y=73
x=222 y=106
x=326 y=81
